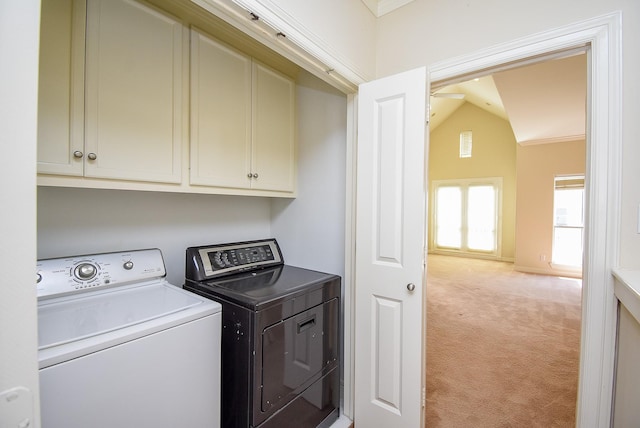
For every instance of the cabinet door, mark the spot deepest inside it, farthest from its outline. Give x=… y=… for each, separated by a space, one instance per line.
x=61 y=87
x=134 y=100
x=274 y=148
x=220 y=114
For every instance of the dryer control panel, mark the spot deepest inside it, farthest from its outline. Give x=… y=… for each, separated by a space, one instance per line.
x=213 y=261
x=75 y=274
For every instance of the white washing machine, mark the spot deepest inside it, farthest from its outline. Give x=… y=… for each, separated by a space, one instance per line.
x=121 y=347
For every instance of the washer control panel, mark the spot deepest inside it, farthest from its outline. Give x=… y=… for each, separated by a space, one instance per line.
x=75 y=274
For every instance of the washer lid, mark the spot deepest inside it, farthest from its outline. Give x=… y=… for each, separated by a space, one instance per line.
x=74 y=318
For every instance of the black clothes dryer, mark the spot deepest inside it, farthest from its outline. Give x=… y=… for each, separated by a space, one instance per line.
x=280 y=335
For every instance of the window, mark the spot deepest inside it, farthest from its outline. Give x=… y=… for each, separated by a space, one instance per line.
x=568 y=221
x=466 y=142
x=466 y=215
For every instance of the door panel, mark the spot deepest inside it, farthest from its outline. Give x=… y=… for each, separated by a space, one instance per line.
x=387 y=322
x=387 y=171
x=390 y=240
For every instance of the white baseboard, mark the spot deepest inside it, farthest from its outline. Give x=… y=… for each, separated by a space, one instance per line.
x=472 y=255
x=549 y=271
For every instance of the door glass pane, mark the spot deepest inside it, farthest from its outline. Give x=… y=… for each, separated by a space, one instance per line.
x=449 y=217
x=481 y=218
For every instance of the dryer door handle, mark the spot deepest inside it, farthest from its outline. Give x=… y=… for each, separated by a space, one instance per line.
x=306 y=324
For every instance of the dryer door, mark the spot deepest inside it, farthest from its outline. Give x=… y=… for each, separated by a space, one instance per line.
x=298 y=351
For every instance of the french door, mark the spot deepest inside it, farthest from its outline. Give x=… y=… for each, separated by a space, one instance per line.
x=466 y=215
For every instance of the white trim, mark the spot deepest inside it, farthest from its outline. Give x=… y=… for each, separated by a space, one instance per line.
x=304 y=38
x=342 y=422
x=561 y=139
x=279 y=19
x=298 y=46
x=386 y=6
x=480 y=256
x=604 y=142
x=372 y=5
x=349 y=261
x=627 y=290
x=552 y=271
x=382 y=7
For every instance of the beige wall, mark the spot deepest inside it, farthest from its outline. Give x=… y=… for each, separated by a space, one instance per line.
x=494 y=155
x=424 y=32
x=537 y=166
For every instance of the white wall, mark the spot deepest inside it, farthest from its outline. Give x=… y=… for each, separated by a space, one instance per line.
x=83 y=221
x=19 y=31
x=310 y=229
x=344 y=28
x=444 y=29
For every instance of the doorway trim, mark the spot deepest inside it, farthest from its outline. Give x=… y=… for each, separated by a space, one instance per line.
x=602 y=37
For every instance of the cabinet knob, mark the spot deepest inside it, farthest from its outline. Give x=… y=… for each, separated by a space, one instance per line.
x=255 y=175
x=250 y=175
x=78 y=154
x=411 y=286
x=92 y=156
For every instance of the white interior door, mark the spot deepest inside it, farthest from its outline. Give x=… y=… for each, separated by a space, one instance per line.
x=390 y=242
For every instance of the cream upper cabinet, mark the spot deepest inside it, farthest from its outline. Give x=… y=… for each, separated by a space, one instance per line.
x=61 y=88
x=242 y=120
x=134 y=87
x=130 y=98
x=273 y=130
x=220 y=114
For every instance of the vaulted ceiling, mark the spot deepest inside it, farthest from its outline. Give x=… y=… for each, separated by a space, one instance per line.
x=544 y=102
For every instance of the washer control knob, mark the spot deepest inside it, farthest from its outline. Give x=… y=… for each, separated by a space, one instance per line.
x=85 y=271
x=128 y=265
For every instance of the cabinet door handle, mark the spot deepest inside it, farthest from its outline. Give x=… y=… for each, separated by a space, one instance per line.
x=255 y=175
x=92 y=156
x=250 y=175
x=78 y=154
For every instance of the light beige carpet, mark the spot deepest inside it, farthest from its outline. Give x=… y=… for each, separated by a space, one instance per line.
x=502 y=346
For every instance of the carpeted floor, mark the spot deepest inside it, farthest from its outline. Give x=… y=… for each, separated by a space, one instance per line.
x=502 y=346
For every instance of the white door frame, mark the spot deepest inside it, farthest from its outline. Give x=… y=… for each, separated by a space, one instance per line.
x=604 y=162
